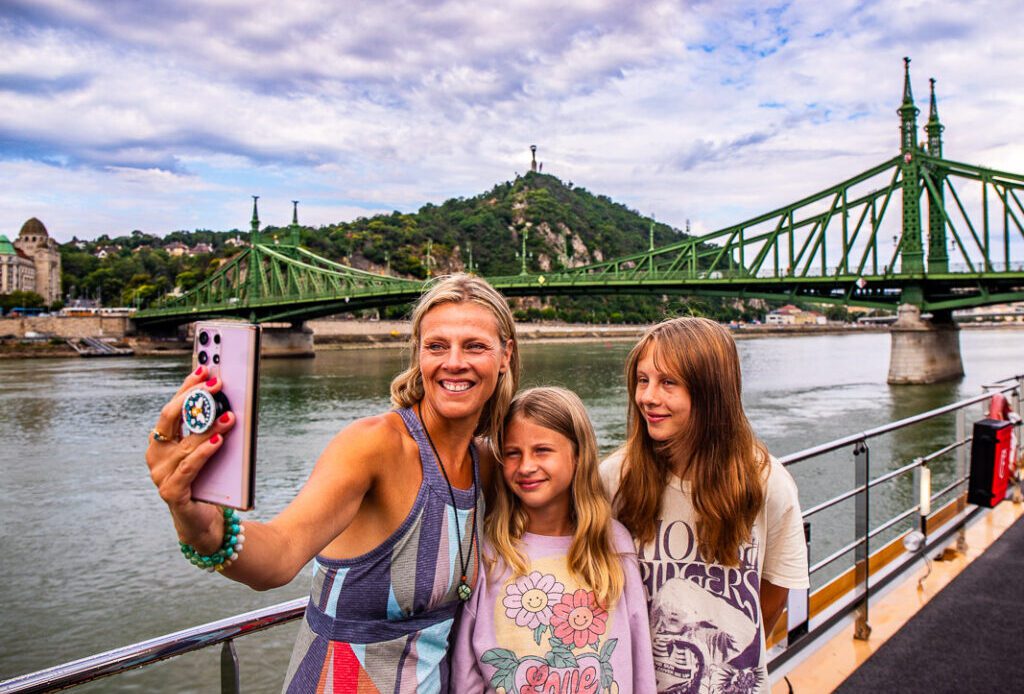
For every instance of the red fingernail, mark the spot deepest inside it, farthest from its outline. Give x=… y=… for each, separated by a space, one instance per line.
x=199 y=371
x=215 y=438
x=211 y=383
x=223 y=419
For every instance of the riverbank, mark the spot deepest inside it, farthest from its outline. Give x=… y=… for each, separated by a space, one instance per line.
x=331 y=335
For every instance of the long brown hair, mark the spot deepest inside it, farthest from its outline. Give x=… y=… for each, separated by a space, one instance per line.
x=717 y=452
x=592 y=558
x=407 y=387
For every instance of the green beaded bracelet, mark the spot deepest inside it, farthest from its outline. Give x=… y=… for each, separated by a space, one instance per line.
x=229 y=550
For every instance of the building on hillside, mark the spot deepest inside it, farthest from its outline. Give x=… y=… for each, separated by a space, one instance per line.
x=235 y=241
x=176 y=248
x=201 y=248
x=17 y=271
x=34 y=243
x=794 y=315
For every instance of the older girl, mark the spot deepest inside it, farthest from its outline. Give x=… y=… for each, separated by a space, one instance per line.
x=390 y=511
x=561 y=608
x=715 y=518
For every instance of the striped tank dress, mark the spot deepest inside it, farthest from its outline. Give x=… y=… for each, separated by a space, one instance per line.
x=380 y=622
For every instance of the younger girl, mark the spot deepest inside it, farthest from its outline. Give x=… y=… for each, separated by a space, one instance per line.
x=561 y=608
x=716 y=519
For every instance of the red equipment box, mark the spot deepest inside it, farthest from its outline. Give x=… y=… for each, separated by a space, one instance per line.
x=991 y=462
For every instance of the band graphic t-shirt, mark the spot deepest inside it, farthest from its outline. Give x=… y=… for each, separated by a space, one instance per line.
x=705 y=617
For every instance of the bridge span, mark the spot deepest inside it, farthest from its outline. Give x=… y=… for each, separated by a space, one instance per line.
x=917 y=233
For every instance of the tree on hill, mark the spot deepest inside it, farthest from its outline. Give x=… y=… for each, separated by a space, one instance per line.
x=566 y=226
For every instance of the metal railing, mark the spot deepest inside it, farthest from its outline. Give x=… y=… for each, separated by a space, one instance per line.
x=803 y=625
x=805 y=621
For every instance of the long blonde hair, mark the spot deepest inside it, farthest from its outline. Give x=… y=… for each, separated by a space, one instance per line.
x=592 y=558
x=717 y=452
x=407 y=387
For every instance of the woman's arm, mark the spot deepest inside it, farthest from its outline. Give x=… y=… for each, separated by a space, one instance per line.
x=273 y=552
x=785 y=558
x=325 y=506
x=773 y=601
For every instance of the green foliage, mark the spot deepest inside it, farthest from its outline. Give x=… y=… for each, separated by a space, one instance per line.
x=138 y=277
x=836 y=312
x=566 y=226
x=22 y=299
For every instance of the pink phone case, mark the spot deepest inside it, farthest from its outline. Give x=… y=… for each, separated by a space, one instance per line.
x=228 y=478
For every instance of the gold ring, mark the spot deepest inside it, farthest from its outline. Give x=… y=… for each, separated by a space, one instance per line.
x=158 y=437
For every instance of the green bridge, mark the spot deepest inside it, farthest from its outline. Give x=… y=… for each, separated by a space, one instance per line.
x=917 y=231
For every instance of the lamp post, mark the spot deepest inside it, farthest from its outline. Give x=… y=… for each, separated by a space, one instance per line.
x=522 y=255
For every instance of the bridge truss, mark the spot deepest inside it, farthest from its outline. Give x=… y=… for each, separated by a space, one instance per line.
x=847 y=244
x=861 y=242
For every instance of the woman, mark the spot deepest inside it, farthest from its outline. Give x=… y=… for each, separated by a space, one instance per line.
x=389 y=511
x=715 y=518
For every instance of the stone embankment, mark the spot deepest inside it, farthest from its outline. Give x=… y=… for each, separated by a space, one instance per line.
x=334 y=334
x=351 y=334
x=65 y=327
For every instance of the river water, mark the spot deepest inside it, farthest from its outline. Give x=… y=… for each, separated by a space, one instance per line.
x=90 y=560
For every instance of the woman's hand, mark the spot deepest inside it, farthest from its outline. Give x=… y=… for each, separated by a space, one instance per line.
x=174 y=463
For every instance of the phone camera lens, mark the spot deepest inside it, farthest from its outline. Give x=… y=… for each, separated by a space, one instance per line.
x=216 y=358
x=203 y=357
x=204 y=338
x=216 y=339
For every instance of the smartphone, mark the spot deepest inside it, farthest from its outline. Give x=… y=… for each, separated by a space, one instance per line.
x=230 y=351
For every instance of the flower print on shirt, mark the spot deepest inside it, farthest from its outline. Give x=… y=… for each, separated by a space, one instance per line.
x=573 y=658
x=529 y=599
x=579 y=619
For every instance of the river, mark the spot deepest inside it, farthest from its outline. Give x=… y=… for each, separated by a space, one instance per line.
x=90 y=559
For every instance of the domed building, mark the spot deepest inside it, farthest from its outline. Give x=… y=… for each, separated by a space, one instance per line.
x=17 y=271
x=35 y=244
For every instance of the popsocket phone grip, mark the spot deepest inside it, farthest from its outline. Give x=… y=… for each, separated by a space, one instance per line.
x=201 y=409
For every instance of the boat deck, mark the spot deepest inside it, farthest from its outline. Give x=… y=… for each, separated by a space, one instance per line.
x=956 y=634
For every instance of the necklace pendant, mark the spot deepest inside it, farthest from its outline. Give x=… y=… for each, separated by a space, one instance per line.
x=464 y=591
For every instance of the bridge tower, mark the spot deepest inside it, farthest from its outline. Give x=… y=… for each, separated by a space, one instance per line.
x=921 y=350
x=279 y=340
x=911 y=253
x=254 y=225
x=294 y=237
x=938 y=257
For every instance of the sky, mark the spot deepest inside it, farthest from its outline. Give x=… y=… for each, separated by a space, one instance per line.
x=159 y=115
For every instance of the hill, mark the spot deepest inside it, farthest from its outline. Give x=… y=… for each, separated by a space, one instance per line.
x=566 y=226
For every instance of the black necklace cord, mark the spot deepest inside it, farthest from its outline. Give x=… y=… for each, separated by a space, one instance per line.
x=464 y=590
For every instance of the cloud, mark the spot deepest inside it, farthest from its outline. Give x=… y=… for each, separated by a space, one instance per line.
x=705 y=111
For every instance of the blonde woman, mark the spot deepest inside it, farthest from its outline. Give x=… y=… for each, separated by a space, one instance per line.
x=716 y=520
x=561 y=608
x=390 y=512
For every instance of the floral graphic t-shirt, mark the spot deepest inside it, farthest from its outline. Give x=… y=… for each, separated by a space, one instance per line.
x=706 y=618
x=543 y=632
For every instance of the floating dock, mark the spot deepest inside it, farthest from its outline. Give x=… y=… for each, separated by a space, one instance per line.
x=94 y=347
